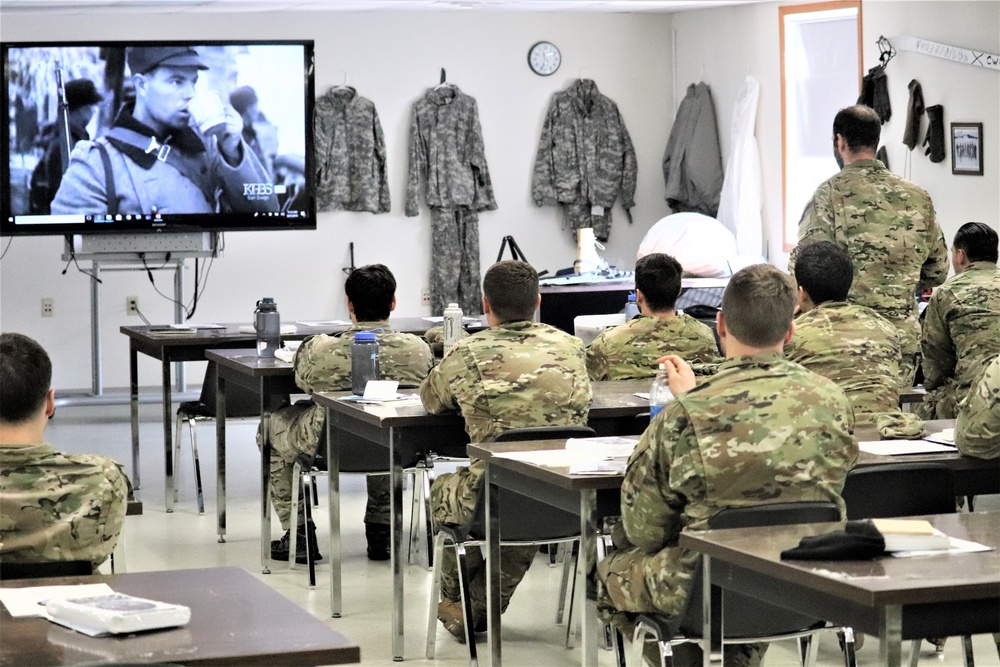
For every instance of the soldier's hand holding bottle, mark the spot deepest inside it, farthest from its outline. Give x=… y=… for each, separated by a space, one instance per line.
x=679 y=372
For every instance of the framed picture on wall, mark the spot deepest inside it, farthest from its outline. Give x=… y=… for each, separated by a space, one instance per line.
x=967 y=149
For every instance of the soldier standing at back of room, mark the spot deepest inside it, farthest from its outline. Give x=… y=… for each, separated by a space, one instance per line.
x=886 y=225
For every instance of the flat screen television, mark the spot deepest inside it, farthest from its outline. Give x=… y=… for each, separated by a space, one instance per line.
x=165 y=136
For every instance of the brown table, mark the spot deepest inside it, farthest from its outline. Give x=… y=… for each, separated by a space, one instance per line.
x=407 y=430
x=235 y=619
x=173 y=347
x=893 y=598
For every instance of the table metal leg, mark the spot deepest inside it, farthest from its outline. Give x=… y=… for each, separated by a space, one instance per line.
x=891 y=636
x=265 y=483
x=168 y=438
x=333 y=499
x=396 y=505
x=706 y=611
x=493 y=622
x=585 y=565
x=133 y=379
x=220 y=456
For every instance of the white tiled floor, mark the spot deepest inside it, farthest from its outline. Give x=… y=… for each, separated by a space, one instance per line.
x=160 y=541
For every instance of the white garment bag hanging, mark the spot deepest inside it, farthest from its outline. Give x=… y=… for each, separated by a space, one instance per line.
x=741 y=201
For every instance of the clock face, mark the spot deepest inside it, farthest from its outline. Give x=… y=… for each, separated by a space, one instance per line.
x=544 y=58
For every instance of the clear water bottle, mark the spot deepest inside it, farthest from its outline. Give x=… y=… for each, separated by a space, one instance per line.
x=631 y=307
x=659 y=393
x=267 y=324
x=452 y=325
x=364 y=361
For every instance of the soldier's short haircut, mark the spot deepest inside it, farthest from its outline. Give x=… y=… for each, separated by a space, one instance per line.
x=371 y=290
x=758 y=304
x=25 y=377
x=859 y=125
x=979 y=241
x=825 y=271
x=658 y=276
x=511 y=287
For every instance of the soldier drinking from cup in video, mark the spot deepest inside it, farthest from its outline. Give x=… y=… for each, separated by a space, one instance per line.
x=169 y=151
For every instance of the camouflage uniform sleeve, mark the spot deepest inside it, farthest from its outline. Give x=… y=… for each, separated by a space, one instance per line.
x=630 y=167
x=417 y=166
x=319 y=366
x=935 y=268
x=651 y=510
x=977 y=429
x=543 y=186
x=483 y=197
x=381 y=167
x=816 y=223
x=939 y=356
x=436 y=392
x=115 y=499
x=598 y=366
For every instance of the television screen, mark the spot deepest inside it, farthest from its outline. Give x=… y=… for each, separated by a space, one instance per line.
x=157 y=137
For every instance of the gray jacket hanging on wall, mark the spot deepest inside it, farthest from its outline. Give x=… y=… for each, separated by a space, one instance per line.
x=585 y=155
x=692 y=163
x=446 y=149
x=350 y=154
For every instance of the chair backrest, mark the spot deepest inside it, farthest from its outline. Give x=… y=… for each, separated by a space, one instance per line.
x=746 y=616
x=55 y=568
x=240 y=401
x=899 y=489
x=589 y=327
x=525 y=519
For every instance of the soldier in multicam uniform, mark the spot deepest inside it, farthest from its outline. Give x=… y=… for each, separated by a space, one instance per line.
x=961 y=322
x=631 y=349
x=886 y=224
x=850 y=344
x=53 y=506
x=350 y=154
x=323 y=363
x=517 y=374
x=977 y=429
x=762 y=430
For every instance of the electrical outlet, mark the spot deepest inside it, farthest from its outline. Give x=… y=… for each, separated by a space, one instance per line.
x=425 y=296
x=131 y=305
x=46 y=307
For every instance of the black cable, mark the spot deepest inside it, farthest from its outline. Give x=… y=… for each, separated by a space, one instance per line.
x=4 y=254
x=149 y=272
x=72 y=260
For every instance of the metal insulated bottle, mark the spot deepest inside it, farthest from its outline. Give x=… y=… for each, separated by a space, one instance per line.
x=267 y=324
x=364 y=361
x=452 y=325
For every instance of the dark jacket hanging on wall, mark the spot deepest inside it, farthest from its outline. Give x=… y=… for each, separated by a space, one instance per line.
x=875 y=93
x=350 y=154
x=585 y=155
x=692 y=163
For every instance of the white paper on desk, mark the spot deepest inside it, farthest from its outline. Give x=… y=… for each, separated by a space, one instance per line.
x=199 y=326
x=577 y=462
x=283 y=329
x=440 y=319
x=24 y=601
x=283 y=354
x=945 y=437
x=325 y=323
x=395 y=399
x=380 y=390
x=900 y=447
x=607 y=447
x=957 y=547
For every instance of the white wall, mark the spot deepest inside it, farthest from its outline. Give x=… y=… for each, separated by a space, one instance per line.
x=391 y=58
x=729 y=42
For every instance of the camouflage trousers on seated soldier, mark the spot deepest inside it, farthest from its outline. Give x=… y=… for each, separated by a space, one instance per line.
x=295 y=429
x=453 y=500
x=633 y=582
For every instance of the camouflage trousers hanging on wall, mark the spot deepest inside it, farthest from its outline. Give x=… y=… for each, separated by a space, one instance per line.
x=455 y=274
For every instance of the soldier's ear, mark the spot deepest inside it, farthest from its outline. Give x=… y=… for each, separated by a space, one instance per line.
x=50 y=403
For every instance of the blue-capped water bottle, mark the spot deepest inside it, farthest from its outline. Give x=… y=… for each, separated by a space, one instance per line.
x=631 y=307
x=364 y=361
x=659 y=392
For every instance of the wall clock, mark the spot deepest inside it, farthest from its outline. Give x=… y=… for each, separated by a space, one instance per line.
x=544 y=58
